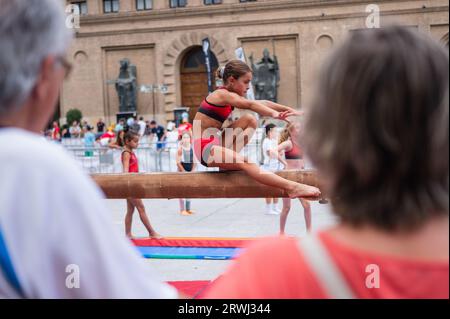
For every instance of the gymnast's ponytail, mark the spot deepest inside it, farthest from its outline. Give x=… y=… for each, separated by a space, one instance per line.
x=234 y=68
x=220 y=71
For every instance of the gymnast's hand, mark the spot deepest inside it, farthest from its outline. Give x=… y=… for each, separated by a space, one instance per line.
x=283 y=115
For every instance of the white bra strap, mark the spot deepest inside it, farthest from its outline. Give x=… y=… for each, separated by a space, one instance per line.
x=324 y=268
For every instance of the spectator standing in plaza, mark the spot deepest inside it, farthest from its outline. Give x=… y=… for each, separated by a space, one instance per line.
x=148 y=129
x=271 y=163
x=84 y=126
x=135 y=127
x=75 y=130
x=100 y=126
x=89 y=140
x=184 y=126
x=185 y=163
x=159 y=132
x=142 y=125
x=130 y=122
x=293 y=159
x=170 y=126
x=55 y=241
x=65 y=131
x=56 y=134
x=120 y=126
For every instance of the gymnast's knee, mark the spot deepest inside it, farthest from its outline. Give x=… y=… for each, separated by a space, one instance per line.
x=250 y=120
x=305 y=204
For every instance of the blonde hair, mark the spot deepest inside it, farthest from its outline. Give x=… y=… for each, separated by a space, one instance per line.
x=285 y=134
x=185 y=132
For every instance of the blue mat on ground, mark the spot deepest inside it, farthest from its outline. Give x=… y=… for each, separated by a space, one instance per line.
x=189 y=252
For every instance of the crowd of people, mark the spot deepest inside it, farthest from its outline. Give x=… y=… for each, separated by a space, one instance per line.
x=105 y=134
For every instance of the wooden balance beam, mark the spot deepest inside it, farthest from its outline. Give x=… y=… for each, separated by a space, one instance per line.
x=234 y=184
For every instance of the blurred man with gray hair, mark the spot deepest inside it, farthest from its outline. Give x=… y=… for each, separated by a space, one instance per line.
x=55 y=238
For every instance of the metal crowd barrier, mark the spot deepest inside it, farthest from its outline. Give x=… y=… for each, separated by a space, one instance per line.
x=108 y=160
x=102 y=159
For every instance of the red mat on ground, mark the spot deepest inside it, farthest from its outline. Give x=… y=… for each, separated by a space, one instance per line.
x=192 y=289
x=193 y=242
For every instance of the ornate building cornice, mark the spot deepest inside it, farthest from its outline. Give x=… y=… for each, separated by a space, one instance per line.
x=193 y=26
x=223 y=9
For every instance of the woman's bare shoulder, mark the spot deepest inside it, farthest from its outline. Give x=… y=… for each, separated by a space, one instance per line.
x=218 y=96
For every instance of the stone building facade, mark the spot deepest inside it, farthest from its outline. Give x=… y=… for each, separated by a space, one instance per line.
x=163 y=39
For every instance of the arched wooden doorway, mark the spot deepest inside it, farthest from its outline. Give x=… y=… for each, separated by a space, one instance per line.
x=194 y=80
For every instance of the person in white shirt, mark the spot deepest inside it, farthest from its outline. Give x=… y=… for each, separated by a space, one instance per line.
x=56 y=240
x=142 y=126
x=271 y=163
x=75 y=130
x=170 y=126
x=130 y=121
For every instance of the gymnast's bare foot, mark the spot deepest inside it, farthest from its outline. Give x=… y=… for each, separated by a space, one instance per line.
x=155 y=235
x=129 y=236
x=304 y=191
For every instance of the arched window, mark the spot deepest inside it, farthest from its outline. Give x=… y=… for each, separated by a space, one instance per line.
x=194 y=61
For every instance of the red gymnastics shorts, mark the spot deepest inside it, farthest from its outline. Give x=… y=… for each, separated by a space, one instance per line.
x=202 y=148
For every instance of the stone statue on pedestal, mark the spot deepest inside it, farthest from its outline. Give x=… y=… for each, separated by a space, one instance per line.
x=266 y=77
x=126 y=86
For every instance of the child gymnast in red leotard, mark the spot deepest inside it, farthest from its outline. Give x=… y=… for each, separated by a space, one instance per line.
x=130 y=165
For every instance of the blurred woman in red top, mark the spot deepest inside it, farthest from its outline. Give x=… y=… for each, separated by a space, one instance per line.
x=378 y=133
